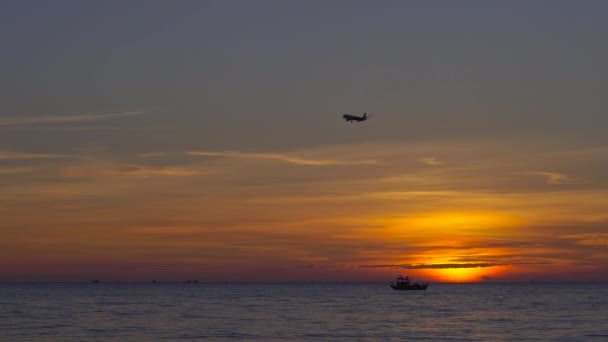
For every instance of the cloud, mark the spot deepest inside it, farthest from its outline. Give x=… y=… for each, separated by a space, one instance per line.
x=281 y=157
x=15 y=170
x=101 y=170
x=555 y=178
x=19 y=155
x=432 y=266
x=152 y=154
x=135 y=170
x=53 y=119
x=324 y=267
x=64 y=128
x=589 y=239
x=431 y=161
x=361 y=196
x=591 y=152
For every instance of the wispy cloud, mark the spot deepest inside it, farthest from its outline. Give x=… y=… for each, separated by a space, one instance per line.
x=589 y=239
x=135 y=170
x=556 y=178
x=69 y=128
x=591 y=152
x=19 y=155
x=15 y=170
x=431 y=161
x=101 y=170
x=282 y=157
x=55 y=119
x=432 y=266
x=152 y=154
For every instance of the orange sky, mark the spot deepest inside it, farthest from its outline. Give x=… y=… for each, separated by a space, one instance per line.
x=205 y=140
x=457 y=211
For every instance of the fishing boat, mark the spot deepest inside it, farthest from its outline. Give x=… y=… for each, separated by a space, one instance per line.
x=403 y=283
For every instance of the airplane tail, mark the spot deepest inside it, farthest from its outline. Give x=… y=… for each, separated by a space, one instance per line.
x=365 y=115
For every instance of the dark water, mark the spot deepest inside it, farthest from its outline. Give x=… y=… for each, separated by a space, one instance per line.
x=303 y=312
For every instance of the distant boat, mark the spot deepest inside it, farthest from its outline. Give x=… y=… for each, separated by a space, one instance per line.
x=404 y=284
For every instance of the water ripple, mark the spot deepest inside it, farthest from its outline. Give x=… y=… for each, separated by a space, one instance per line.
x=303 y=312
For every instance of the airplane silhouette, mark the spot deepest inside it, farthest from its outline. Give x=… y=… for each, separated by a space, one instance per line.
x=352 y=118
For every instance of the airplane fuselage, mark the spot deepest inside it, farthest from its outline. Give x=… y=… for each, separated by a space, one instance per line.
x=351 y=118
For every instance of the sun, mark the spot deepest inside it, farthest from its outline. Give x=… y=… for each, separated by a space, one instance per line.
x=452 y=246
x=465 y=274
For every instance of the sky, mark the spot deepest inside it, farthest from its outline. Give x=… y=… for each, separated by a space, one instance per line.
x=203 y=140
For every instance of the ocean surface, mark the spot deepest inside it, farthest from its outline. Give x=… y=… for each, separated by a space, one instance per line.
x=303 y=312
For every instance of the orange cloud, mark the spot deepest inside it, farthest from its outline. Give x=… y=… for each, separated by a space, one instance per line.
x=278 y=156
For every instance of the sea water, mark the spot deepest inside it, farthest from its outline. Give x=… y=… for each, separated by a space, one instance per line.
x=303 y=312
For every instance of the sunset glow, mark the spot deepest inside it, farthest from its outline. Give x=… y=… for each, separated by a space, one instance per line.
x=176 y=144
x=466 y=274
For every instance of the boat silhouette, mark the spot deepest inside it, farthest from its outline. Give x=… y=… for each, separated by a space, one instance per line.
x=403 y=283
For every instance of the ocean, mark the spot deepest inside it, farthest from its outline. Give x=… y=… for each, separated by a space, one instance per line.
x=303 y=312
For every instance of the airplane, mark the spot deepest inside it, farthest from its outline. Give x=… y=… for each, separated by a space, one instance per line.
x=352 y=118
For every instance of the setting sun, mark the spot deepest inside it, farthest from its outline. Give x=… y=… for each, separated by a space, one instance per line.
x=472 y=274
